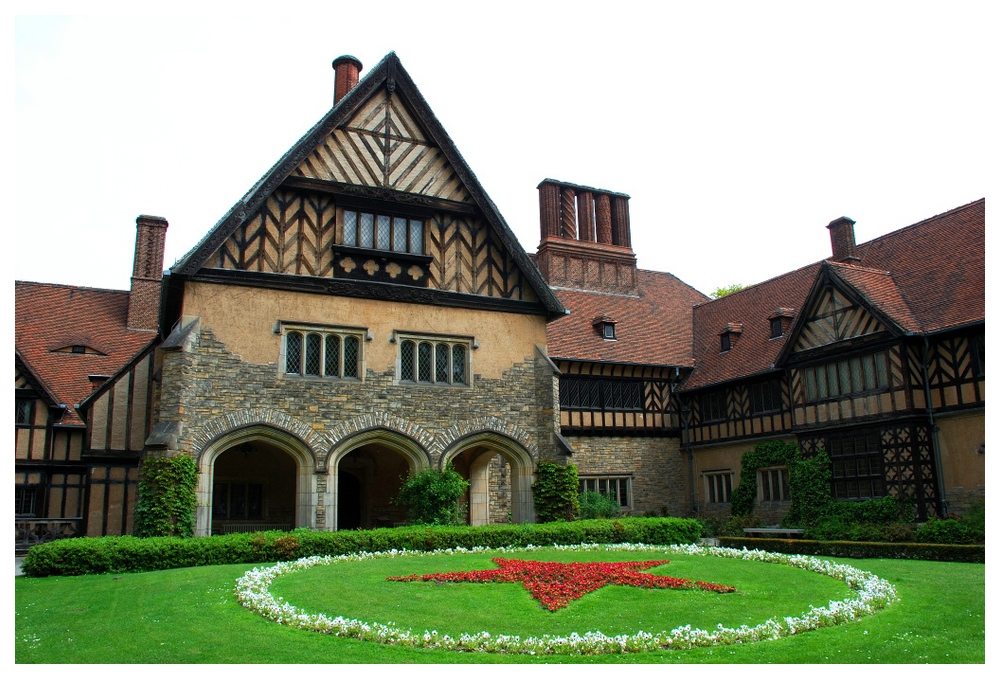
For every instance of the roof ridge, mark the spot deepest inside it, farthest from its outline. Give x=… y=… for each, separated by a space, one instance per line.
x=67 y=285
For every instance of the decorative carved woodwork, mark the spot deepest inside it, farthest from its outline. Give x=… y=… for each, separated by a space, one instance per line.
x=834 y=318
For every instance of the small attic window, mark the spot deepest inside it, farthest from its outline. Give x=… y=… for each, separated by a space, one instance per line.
x=781 y=320
x=78 y=349
x=605 y=325
x=729 y=335
x=776 y=330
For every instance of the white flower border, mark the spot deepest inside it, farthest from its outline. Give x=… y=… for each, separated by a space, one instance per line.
x=874 y=594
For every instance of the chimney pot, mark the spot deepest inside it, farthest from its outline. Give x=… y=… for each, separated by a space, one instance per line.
x=347 y=70
x=842 y=240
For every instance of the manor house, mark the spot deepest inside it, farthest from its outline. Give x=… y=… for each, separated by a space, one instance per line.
x=364 y=312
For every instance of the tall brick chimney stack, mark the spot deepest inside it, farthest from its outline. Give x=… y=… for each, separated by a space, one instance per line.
x=842 y=241
x=147 y=272
x=586 y=238
x=346 y=70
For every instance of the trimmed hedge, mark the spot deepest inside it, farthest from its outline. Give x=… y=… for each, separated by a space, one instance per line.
x=79 y=556
x=862 y=550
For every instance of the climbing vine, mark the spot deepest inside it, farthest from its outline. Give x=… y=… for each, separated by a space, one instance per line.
x=556 y=492
x=166 y=499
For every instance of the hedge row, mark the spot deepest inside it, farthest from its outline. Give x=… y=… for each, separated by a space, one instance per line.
x=79 y=556
x=862 y=550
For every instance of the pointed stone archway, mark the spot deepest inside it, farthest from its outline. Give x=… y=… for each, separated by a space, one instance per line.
x=366 y=471
x=474 y=456
x=253 y=478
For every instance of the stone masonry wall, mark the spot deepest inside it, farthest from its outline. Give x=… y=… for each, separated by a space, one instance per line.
x=656 y=465
x=204 y=381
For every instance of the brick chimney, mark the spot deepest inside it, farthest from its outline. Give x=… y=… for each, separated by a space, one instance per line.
x=147 y=272
x=586 y=238
x=346 y=70
x=842 y=240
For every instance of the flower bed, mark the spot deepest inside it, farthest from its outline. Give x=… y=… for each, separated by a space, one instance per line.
x=873 y=594
x=555 y=584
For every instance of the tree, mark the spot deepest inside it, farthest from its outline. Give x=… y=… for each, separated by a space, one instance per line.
x=726 y=290
x=431 y=497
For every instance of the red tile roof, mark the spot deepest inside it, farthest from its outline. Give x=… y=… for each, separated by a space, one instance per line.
x=754 y=350
x=653 y=327
x=926 y=277
x=49 y=317
x=939 y=266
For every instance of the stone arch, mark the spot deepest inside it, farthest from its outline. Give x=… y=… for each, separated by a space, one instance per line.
x=451 y=435
x=373 y=442
x=482 y=446
x=276 y=420
x=285 y=441
x=391 y=426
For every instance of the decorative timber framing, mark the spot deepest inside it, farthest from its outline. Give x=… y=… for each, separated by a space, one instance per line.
x=390 y=144
x=605 y=399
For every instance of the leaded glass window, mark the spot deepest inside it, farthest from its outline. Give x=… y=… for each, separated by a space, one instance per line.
x=383 y=232
x=433 y=361
x=322 y=353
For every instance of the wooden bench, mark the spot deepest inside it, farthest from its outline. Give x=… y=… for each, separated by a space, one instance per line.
x=773 y=532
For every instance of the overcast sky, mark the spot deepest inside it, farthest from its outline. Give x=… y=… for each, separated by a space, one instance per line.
x=738 y=129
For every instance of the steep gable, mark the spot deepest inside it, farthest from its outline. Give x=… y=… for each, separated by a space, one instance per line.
x=373 y=199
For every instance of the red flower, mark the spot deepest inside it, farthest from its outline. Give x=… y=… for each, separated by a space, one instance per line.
x=555 y=584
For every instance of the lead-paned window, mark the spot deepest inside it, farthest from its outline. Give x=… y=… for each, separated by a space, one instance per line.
x=379 y=231
x=856 y=462
x=433 y=361
x=765 y=397
x=22 y=410
x=713 y=406
x=718 y=486
x=618 y=488
x=322 y=353
x=27 y=500
x=600 y=393
x=772 y=484
x=847 y=376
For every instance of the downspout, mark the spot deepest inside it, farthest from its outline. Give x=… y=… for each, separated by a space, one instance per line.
x=684 y=412
x=935 y=442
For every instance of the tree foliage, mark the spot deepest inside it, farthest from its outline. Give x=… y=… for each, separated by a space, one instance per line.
x=726 y=290
x=431 y=497
x=166 y=498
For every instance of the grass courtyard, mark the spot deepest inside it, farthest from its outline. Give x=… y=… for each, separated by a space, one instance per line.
x=190 y=615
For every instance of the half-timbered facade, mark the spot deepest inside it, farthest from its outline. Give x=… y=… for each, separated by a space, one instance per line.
x=875 y=356
x=364 y=312
x=71 y=479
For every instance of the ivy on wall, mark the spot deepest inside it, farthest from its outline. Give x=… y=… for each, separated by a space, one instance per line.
x=166 y=499
x=556 y=492
x=808 y=480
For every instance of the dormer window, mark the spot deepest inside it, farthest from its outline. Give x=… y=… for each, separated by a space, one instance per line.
x=781 y=320
x=729 y=335
x=78 y=349
x=605 y=325
x=776 y=330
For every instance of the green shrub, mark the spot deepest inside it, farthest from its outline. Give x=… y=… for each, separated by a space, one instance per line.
x=862 y=550
x=431 y=497
x=949 y=532
x=556 y=492
x=764 y=454
x=594 y=505
x=166 y=497
x=78 y=556
x=809 y=487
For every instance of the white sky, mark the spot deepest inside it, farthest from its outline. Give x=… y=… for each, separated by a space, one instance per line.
x=739 y=129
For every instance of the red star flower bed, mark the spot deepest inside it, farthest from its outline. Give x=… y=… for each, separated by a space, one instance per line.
x=555 y=584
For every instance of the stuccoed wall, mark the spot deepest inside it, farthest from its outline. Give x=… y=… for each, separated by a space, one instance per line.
x=657 y=466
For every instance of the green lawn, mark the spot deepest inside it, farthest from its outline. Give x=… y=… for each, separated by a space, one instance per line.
x=190 y=616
